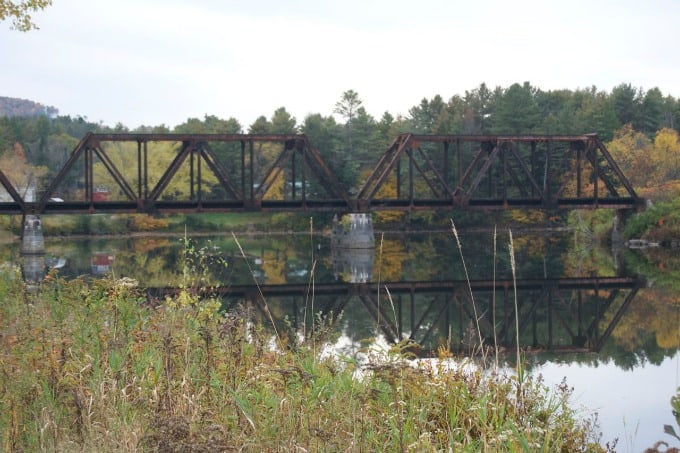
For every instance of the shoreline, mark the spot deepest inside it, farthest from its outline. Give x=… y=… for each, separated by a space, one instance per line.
x=7 y=237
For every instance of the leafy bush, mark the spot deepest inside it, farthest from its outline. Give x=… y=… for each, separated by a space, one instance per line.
x=143 y=222
x=659 y=222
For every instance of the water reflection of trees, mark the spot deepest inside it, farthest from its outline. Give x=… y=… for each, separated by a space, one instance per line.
x=646 y=333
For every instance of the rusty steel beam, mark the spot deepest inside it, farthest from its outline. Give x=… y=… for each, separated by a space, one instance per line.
x=196 y=153
x=7 y=184
x=499 y=160
x=516 y=178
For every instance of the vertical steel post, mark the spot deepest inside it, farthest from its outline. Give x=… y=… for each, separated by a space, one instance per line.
x=505 y=177
x=579 y=156
x=243 y=168
x=191 y=172
x=303 y=159
x=139 y=171
x=597 y=179
x=252 y=176
x=459 y=157
x=88 y=174
x=293 y=175
x=199 y=174
x=410 y=176
x=446 y=163
x=532 y=166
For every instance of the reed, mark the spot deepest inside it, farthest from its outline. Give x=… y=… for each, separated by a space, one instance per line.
x=493 y=296
x=259 y=289
x=472 y=296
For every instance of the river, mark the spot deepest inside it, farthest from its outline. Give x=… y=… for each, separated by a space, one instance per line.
x=608 y=323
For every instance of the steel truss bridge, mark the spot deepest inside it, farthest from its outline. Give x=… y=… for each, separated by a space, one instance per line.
x=554 y=315
x=171 y=173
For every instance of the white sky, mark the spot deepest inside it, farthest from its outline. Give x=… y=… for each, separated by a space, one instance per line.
x=152 y=62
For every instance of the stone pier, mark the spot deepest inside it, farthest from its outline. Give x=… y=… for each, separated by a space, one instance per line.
x=33 y=252
x=353 y=231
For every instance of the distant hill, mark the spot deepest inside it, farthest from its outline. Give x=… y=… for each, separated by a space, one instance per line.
x=25 y=108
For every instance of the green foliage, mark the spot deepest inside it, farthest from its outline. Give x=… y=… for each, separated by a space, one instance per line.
x=209 y=125
x=517 y=111
x=658 y=222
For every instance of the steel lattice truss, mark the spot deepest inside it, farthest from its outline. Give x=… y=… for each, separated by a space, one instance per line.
x=187 y=173
x=556 y=315
x=235 y=172
x=483 y=172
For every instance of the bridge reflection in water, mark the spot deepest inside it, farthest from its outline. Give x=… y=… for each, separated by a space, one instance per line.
x=554 y=315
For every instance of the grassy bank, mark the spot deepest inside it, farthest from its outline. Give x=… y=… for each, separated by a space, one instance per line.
x=95 y=367
x=121 y=224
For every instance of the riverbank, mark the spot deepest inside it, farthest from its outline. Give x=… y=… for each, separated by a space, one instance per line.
x=105 y=226
x=93 y=366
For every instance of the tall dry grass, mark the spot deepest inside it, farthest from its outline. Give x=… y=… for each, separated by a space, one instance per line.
x=94 y=366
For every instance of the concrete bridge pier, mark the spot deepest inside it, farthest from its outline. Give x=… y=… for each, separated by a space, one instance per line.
x=33 y=251
x=353 y=247
x=353 y=231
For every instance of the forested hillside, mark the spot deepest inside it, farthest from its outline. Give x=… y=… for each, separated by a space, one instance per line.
x=640 y=126
x=24 y=107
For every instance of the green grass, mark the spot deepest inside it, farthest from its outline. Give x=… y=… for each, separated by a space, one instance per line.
x=92 y=366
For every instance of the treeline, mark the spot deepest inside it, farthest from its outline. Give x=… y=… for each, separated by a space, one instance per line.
x=351 y=139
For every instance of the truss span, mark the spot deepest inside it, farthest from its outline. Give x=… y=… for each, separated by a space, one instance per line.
x=496 y=172
x=166 y=173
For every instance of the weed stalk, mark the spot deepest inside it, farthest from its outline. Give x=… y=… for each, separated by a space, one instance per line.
x=259 y=289
x=467 y=278
x=520 y=369
x=493 y=296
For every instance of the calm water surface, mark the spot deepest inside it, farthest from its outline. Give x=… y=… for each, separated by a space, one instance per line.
x=608 y=323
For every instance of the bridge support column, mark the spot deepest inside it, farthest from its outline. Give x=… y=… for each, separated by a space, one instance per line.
x=32 y=251
x=353 y=247
x=353 y=231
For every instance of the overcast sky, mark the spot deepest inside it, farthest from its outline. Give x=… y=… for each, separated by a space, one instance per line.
x=152 y=62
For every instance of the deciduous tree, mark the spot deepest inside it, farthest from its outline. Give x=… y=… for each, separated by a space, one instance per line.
x=667 y=152
x=631 y=150
x=20 y=12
